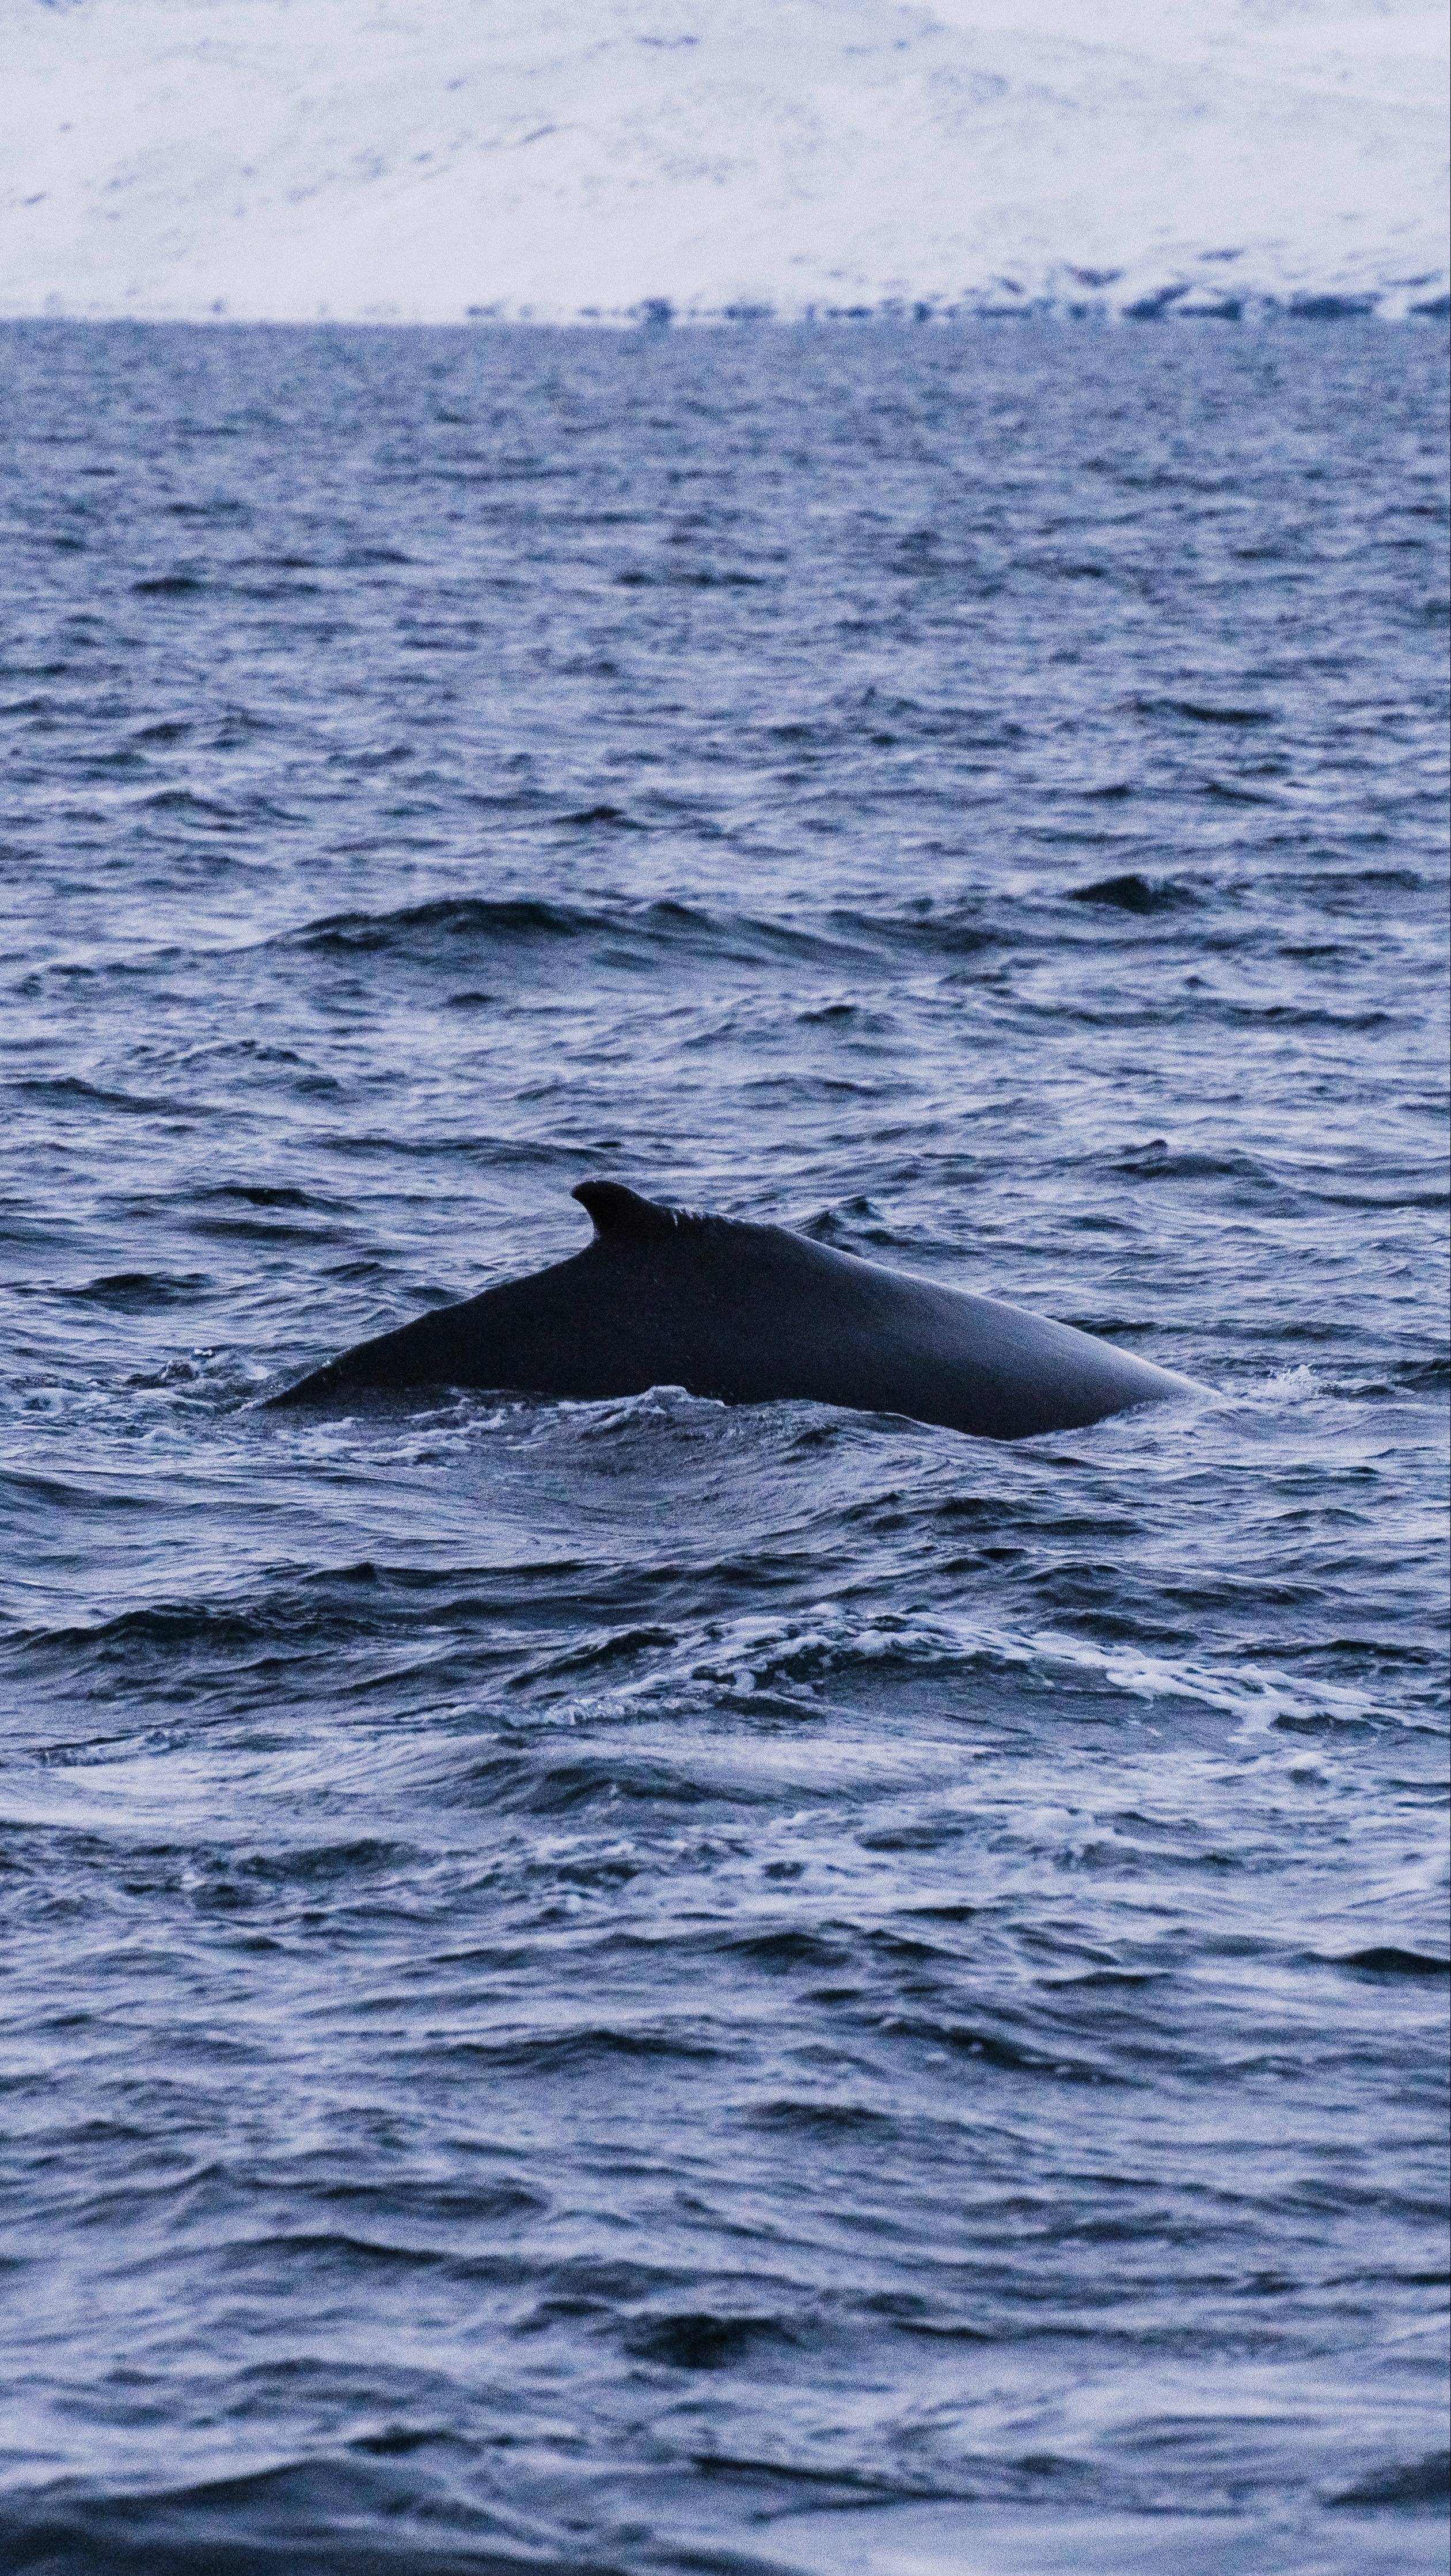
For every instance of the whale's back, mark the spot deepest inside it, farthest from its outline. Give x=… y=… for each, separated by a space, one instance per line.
x=751 y=1313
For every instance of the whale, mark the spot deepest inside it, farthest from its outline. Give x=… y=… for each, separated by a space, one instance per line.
x=750 y=1314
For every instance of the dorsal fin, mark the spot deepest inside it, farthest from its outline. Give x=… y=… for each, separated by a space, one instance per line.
x=623 y=1213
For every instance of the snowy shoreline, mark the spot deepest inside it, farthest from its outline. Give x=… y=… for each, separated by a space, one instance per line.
x=1264 y=312
x=622 y=160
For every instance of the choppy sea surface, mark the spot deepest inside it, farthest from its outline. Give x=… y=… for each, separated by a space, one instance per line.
x=638 y=1987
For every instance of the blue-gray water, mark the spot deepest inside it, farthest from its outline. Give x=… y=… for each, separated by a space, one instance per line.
x=639 y=1987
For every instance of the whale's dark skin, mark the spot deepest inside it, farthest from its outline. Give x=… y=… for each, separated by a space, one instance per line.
x=662 y=1297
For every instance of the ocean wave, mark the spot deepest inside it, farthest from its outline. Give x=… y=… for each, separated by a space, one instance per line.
x=760 y=1655
x=287 y=2518
x=524 y=922
x=139 y=1291
x=1134 y=893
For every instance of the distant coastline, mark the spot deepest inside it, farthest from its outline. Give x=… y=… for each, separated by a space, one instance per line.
x=614 y=162
x=1260 y=311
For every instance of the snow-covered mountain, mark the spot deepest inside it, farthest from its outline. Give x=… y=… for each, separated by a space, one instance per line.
x=432 y=159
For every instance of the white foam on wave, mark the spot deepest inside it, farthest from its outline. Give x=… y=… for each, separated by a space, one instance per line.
x=412 y=160
x=765 y=1655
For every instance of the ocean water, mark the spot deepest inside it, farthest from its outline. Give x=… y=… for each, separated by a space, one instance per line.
x=637 y=1987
